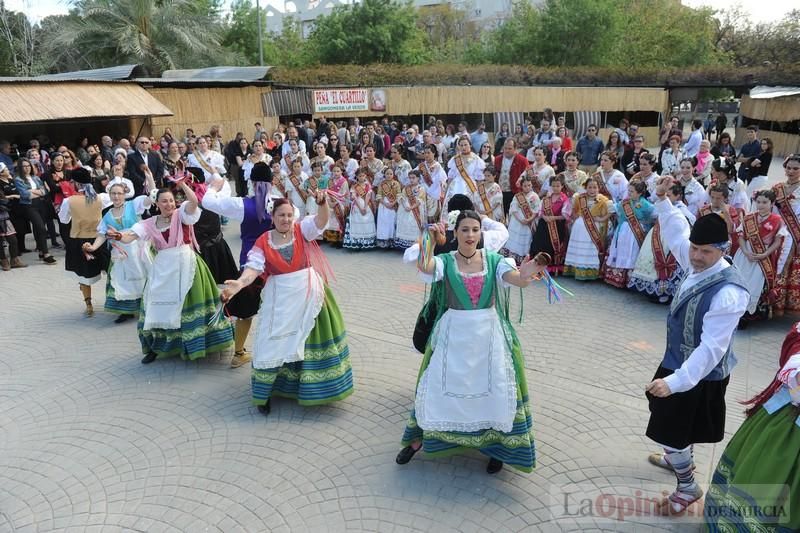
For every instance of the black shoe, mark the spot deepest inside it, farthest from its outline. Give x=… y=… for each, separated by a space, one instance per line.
x=265 y=409
x=49 y=259
x=494 y=466
x=122 y=318
x=405 y=455
x=56 y=244
x=149 y=358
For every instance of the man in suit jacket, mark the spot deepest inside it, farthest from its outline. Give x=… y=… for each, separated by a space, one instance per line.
x=509 y=165
x=142 y=157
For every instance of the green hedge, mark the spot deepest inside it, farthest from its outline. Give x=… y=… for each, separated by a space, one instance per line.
x=456 y=74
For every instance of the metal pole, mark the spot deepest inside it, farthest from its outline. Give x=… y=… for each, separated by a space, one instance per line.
x=260 y=43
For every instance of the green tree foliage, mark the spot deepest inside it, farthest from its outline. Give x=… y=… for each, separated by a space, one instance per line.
x=746 y=43
x=372 y=31
x=449 y=32
x=18 y=44
x=657 y=33
x=158 y=34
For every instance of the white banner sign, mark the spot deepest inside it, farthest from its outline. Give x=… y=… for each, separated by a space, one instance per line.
x=333 y=100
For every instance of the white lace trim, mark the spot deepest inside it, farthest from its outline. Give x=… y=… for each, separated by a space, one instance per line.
x=280 y=246
x=484 y=262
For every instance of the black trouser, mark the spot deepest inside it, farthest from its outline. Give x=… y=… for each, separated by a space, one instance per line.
x=508 y=196
x=33 y=214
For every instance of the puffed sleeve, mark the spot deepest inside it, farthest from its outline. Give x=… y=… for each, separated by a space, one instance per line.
x=186 y=218
x=507 y=264
x=256 y=259
x=226 y=206
x=139 y=230
x=438 y=273
x=495 y=234
x=309 y=228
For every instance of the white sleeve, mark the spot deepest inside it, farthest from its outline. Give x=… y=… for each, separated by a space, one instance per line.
x=226 y=206
x=675 y=229
x=495 y=234
x=719 y=323
x=186 y=218
x=226 y=186
x=411 y=254
x=438 y=272
x=308 y=226
x=256 y=259
x=63 y=214
x=138 y=204
x=506 y=265
x=139 y=230
x=789 y=374
x=129 y=186
x=102 y=227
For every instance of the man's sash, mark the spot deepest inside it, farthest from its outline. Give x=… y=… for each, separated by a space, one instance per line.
x=753 y=236
x=588 y=220
x=785 y=209
x=296 y=184
x=414 y=205
x=552 y=230
x=280 y=186
x=665 y=263
x=636 y=227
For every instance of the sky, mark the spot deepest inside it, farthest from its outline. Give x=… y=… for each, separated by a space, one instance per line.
x=38 y=9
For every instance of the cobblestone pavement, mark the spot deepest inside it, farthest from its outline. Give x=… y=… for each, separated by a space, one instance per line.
x=91 y=440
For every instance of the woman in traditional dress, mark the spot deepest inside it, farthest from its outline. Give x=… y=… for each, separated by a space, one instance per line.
x=373 y=164
x=294 y=186
x=787 y=202
x=339 y=202
x=574 y=179
x=471 y=390
x=540 y=172
x=300 y=348
x=464 y=171
x=657 y=272
x=400 y=166
x=587 y=241
x=360 y=231
x=635 y=217
x=254 y=214
x=316 y=182
x=127 y=270
x=321 y=157
x=671 y=157
x=521 y=217
x=719 y=198
x=414 y=204
x=756 y=483
x=180 y=297
x=494 y=195
x=295 y=154
x=612 y=182
x=349 y=165
x=257 y=155
x=550 y=236
x=761 y=235
x=693 y=190
x=81 y=213
x=388 y=194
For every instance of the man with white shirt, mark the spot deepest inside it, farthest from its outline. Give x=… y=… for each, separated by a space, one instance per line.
x=687 y=394
x=291 y=133
x=692 y=146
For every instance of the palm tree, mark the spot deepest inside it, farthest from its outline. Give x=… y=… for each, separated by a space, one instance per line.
x=157 y=34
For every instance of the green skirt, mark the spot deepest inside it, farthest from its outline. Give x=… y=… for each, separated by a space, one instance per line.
x=195 y=338
x=515 y=448
x=323 y=376
x=582 y=274
x=756 y=485
x=119 y=307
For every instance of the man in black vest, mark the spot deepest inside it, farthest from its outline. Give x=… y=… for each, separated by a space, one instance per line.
x=687 y=394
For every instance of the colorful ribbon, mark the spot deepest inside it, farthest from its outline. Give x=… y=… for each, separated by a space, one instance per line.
x=554 y=290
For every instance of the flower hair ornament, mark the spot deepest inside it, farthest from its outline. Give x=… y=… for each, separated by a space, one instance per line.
x=452 y=216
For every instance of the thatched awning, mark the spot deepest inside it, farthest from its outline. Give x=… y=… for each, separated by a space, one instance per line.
x=26 y=101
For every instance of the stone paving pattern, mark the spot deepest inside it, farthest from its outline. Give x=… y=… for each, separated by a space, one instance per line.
x=91 y=440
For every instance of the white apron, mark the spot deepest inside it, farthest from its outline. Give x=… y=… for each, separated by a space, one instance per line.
x=290 y=304
x=129 y=273
x=170 y=280
x=470 y=383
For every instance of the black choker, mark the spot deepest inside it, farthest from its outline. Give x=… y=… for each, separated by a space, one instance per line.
x=468 y=259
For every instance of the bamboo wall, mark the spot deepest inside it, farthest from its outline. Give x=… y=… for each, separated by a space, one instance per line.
x=782 y=143
x=784 y=109
x=233 y=108
x=402 y=101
